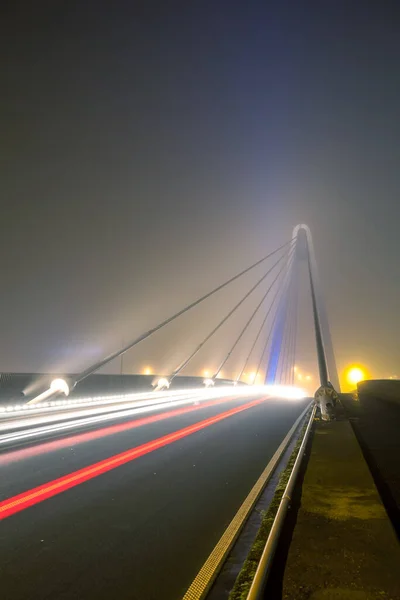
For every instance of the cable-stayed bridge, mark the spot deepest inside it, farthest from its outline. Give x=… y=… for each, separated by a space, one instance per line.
x=144 y=489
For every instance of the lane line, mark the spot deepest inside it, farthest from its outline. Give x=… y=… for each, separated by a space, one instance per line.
x=31 y=497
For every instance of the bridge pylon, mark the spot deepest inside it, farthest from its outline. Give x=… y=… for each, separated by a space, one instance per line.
x=326 y=394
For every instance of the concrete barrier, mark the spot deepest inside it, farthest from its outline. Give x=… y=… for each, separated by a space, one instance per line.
x=382 y=389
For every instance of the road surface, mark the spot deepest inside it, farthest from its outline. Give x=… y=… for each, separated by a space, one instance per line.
x=131 y=508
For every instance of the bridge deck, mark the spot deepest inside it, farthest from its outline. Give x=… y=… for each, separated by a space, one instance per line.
x=343 y=545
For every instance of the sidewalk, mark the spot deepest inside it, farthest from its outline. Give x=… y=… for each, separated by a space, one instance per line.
x=343 y=546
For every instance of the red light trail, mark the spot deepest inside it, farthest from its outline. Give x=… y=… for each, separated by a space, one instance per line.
x=89 y=436
x=38 y=494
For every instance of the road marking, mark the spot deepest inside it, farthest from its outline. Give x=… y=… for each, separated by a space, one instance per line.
x=38 y=494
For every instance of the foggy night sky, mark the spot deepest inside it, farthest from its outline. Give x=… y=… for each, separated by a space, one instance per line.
x=151 y=149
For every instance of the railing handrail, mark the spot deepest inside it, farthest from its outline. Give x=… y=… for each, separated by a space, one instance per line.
x=264 y=566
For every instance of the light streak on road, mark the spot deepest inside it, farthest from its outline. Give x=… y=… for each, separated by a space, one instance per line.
x=36 y=495
x=38 y=432
x=59 y=405
x=21 y=429
x=21 y=421
x=15 y=455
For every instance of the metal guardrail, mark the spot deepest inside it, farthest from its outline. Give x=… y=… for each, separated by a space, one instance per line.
x=203 y=581
x=264 y=566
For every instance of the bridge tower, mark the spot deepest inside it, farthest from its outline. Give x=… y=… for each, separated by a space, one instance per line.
x=304 y=251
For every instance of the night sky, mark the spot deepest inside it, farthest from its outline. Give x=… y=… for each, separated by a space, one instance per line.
x=151 y=149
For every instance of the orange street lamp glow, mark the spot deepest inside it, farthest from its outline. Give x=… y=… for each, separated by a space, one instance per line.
x=355 y=375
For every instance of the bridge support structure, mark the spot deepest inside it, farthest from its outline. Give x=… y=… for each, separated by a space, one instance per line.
x=282 y=333
x=326 y=394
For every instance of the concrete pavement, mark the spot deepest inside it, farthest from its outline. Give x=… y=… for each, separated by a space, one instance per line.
x=343 y=546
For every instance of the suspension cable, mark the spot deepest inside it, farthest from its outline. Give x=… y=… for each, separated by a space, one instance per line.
x=294 y=334
x=282 y=357
x=288 y=365
x=147 y=334
x=287 y=336
x=230 y=313
x=289 y=327
x=292 y=324
x=284 y=290
x=259 y=331
x=226 y=358
x=268 y=339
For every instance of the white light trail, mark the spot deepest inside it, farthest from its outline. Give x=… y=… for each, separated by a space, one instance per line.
x=58 y=405
x=287 y=392
x=36 y=424
x=60 y=427
x=20 y=421
x=195 y=397
x=64 y=404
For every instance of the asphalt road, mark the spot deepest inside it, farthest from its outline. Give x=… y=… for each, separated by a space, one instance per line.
x=141 y=530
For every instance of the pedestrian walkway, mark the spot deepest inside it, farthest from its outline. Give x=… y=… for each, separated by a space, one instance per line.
x=343 y=546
